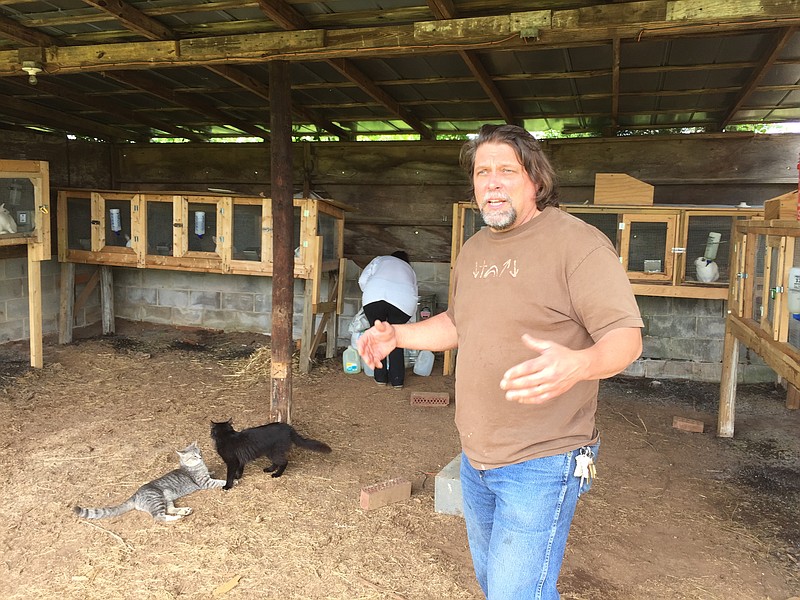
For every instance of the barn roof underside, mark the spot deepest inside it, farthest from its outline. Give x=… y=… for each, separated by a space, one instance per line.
x=138 y=70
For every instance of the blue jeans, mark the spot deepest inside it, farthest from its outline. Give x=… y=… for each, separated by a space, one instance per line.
x=518 y=518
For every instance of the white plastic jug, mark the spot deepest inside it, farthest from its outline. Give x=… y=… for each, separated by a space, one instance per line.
x=424 y=363
x=793 y=299
x=351 y=360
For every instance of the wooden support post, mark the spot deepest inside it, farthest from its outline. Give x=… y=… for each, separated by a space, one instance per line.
x=307 y=334
x=66 y=316
x=332 y=328
x=727 y=392
x=35 y=310
x=792 y=397
x=280 y=105
x=107 y=299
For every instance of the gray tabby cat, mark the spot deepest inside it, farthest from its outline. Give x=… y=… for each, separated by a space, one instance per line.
x=158 y=497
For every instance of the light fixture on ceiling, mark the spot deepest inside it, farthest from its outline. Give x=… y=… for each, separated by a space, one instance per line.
x=32 y=68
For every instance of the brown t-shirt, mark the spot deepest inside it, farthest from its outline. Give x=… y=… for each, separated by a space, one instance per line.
x=555 y=278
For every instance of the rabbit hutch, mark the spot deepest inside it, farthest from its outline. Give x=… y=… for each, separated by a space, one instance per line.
x=764 y=302
x=661 y=247
x=25 y=223
x=208 y=233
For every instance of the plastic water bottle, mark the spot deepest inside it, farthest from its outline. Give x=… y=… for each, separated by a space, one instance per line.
x=351 y=360
x=368 y=371
x=424 y=363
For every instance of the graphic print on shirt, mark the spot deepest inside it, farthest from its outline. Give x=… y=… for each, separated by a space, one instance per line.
x=485 y=270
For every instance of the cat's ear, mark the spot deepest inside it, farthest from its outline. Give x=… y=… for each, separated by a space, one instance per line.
x=230 y=421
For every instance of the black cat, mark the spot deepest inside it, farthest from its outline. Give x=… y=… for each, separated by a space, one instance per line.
x=273 y=440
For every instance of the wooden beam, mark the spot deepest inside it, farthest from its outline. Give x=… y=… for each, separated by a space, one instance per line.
x=647 y=19
x=282 y=245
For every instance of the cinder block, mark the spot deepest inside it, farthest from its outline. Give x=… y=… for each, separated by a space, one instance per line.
x=447 y=489
x=685 y=424
x=386 y=492
x=430 y=399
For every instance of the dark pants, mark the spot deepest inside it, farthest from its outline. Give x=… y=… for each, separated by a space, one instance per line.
x=383 y=311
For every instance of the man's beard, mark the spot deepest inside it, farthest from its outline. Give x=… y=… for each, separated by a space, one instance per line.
x=499 y=220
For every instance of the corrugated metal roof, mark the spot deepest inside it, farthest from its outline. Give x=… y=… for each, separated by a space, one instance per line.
x=166 y=68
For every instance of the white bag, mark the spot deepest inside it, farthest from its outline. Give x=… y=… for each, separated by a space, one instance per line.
x=359 y=322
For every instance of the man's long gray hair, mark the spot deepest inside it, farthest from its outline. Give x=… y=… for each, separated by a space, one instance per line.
x=528 y=152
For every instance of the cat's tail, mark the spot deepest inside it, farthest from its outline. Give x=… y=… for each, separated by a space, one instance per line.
x=309 y=444
x=102 y=513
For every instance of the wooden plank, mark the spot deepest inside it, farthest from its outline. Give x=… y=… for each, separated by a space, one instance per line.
x=66 y=309
x=783 y=207
x=621 y=189
x=87 y=290
x=727 y=392
x=283 y=219
x=62 y=227
x=35 y=310
x=647 y=19
x=792 y=397
x=107 y=299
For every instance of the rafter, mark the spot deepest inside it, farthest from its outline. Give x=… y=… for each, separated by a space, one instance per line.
x=145 y=83
x=758 y=73
x=137 y=21
x=283 y=14
x=352 y=72
x=132 y=19
x=243 y=80
x=61 y=121
x=290 y=19
x=11 y=29
x=111 y=107
x=444 y=9
x=615 y=58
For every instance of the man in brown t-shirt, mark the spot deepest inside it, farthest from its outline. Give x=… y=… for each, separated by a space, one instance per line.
x=541 y=311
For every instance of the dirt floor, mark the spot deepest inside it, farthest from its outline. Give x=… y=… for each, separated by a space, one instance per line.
x=672 y=515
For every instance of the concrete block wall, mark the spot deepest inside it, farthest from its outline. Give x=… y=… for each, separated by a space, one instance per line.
x=683 y=338
x=206 y=300
x=14 y=312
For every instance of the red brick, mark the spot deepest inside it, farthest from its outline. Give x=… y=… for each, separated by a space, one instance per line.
x=430 y=398
x=386 y=492
x=685 y=424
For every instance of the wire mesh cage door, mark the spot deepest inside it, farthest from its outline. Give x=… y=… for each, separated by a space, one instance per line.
x=646 y=246
x=756 y=273
x=708 y=249
x=779 y=252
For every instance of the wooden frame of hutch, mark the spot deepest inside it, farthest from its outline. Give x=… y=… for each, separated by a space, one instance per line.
x=209 y=233
x=758 y=312
x=33 y=211
x=678 y=233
